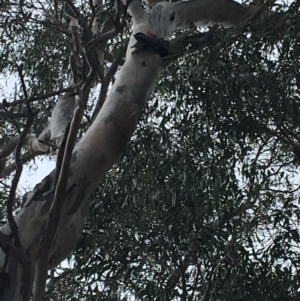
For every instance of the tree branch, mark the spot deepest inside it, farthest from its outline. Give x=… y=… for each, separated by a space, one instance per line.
x=26 y=265
x=105 y=84
x=39 y=97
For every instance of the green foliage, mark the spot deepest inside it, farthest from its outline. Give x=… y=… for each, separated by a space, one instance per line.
x=204 y=205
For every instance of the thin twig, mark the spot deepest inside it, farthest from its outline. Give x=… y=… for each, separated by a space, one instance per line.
x=73 y=8
x=56 y=26
x=54 y=280
x=102 y=37
x=39 y=97
x=175 y=274
x=12 y=120
x=93 y=13
x=195 y=282
x=287 y=140
x=15 y=181
x=20 y=71
x=287 y=132
x=118 y=27
x=26 y=266
x=118 y=15
x=208 y=286
x=105 y=84
x=14 y=115
x=183 y=268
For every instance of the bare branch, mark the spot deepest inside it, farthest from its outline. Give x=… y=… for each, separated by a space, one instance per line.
x=14 y=115
x=117 y=20
x=70 y=7
x=92 y=6
x=39 y=97
x=20 y=69
x=109 y=34
x=188 y=44
x=105 y=84
x=206 y=296
x=195 y=282
x=26 y=266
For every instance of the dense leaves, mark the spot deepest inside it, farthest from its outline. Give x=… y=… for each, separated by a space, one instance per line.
x=204 y=204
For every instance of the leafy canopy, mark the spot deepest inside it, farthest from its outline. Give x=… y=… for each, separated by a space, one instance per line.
x=204 y=205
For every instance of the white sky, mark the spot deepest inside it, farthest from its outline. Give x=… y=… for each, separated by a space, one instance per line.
x=31 y=177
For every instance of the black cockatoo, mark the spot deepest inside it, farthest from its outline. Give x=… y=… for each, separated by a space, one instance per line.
x=151 y=44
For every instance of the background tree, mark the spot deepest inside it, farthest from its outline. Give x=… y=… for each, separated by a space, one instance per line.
x=202 y=203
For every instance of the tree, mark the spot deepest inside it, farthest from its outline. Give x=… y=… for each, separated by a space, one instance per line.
x=207 y=206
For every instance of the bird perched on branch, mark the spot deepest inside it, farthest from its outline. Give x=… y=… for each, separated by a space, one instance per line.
x=150 y=43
